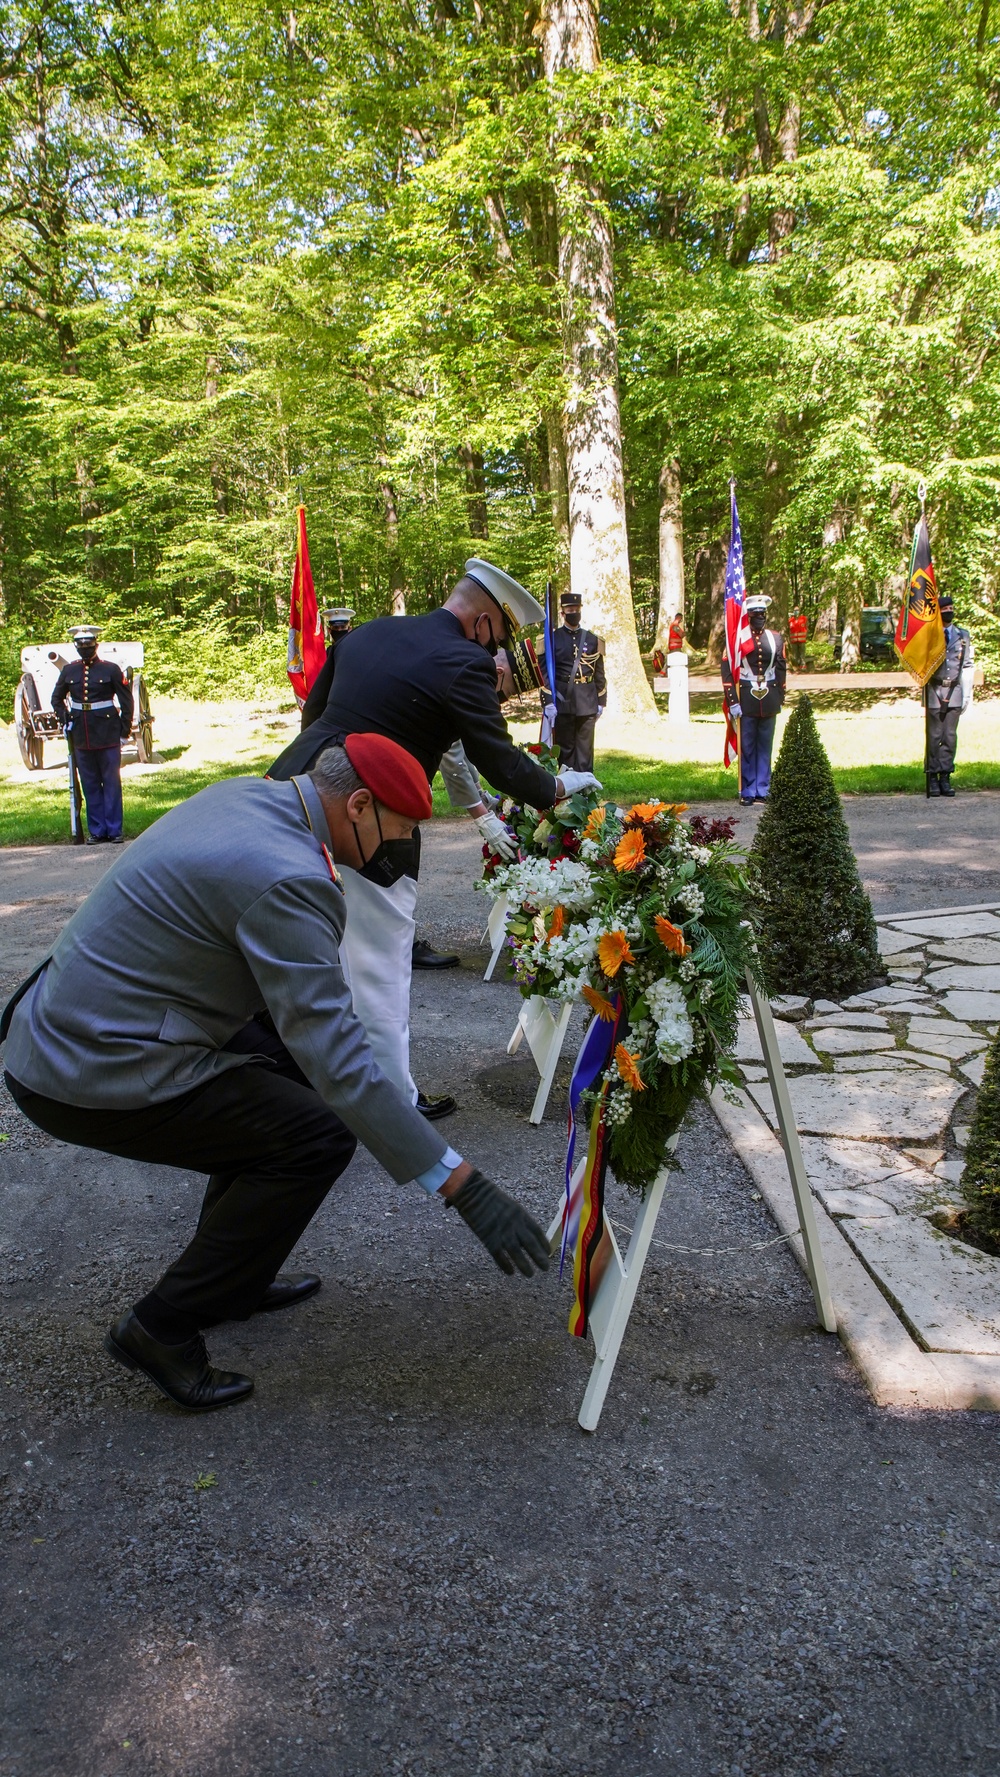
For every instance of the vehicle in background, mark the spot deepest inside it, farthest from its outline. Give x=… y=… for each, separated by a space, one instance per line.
x=877 y=636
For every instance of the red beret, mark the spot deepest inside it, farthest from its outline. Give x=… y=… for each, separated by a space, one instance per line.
x=391 y=774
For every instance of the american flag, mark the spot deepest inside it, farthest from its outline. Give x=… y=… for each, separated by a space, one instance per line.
x=739 y=636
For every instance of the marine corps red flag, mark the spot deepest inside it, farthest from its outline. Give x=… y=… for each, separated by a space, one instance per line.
x=920 y=639
x=306 y=650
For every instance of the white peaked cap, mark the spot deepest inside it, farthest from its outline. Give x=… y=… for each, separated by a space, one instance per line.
x=84 y=632
x=520 y=609
x=758 y=601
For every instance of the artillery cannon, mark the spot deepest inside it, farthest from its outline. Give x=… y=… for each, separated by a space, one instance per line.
x=34 y=718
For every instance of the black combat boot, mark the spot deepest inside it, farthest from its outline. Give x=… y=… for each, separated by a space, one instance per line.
x=933 y=784
x=944 y=781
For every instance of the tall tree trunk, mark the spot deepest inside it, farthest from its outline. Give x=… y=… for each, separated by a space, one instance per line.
x=215 y=467
x=782 y=220
x=599 y=565
x=714 y=572
x=475 y=491
x=397 y=572
x=559 y=496
x=671 y=550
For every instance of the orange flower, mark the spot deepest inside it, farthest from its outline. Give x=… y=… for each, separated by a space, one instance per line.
x=630 y=851
x=558 y=921
x=670 y=936
x=646 y=811
x=595 y=821
x=628 y=1067
x=613 y=949
x=678 y=807
x=597 y=1003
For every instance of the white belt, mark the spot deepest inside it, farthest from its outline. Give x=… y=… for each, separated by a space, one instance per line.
x=107 y=703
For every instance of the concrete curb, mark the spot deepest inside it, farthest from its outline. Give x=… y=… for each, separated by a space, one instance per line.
x=896 y=1370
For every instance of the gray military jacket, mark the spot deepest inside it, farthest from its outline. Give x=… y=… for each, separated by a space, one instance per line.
x=944 y=689
x=227 y=905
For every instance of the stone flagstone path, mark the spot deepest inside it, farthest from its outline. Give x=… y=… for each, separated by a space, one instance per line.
x=883 y=1089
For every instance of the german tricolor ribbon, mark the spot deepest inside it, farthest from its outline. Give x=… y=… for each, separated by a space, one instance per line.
x=583 y=1210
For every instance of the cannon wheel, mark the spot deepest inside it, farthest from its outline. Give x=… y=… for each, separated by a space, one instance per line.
x=26 y=700
x=144 y=734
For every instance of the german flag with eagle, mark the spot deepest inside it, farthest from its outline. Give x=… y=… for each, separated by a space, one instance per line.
x=920 y=639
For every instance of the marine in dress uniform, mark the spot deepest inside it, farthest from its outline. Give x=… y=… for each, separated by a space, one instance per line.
x=576 y=688
x=93 y=703
x=947 y=693
x=756 y=704
x=424 y=682
x=337 y=621
x=194 y=1013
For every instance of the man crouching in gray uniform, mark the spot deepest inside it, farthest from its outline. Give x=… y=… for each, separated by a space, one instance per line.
x=194 y=1013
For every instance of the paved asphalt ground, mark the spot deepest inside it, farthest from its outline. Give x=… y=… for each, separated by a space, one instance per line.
x=410 y=1560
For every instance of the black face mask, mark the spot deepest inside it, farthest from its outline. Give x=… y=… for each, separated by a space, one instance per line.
x=492 y=646
x=87 y=650
x=572 y=619
x=758 y=622
x=391 y=860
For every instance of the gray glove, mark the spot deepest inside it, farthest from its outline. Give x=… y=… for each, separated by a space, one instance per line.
x=577 y=780
x=549 y=709
x=510 y=1235
x=498 y=837
x=735 y=712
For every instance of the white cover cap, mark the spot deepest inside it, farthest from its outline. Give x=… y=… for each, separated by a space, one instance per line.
x=516 y=603
x=84 y=632
x=758 y=601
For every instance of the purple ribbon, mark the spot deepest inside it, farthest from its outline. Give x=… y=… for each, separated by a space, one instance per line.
x=590 y=1063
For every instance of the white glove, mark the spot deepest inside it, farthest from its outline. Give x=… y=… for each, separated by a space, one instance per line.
x=735 y=712
x=549 y=709
x=577 y=780
x=498 y=837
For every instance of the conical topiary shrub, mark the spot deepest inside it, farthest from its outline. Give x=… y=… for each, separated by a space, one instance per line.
x=816 y=929
x=981 y=1178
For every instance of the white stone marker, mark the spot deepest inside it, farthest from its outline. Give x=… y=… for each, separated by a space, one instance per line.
x=679 y=703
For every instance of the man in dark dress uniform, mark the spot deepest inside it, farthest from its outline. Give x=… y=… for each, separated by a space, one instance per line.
x=756 y=703
x=947 y=693
x=424 y=682
x=97 y=720
x=578 y=691
x=337 y=621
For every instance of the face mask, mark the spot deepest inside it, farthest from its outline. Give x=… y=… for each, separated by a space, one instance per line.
x=757 y=623
x=391 y=860
x=572 y=619
x=87 y=650
x=492 y=646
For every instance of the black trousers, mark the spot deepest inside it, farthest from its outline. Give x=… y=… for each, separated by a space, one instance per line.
x=942 y=735
x=272 y=1149
x=574 y=736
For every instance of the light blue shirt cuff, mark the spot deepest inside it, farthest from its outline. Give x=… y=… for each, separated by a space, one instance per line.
x=432 y=1180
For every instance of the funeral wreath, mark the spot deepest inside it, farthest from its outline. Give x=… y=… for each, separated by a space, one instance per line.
x=642 y=916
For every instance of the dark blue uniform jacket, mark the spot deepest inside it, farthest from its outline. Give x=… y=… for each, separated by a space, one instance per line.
x=421 y=682
x=85 y=698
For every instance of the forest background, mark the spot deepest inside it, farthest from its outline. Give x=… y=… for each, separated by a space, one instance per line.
x=524 y=281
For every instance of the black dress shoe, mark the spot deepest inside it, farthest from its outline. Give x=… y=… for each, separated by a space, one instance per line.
x=284 y=1292
x=181 y=1372
x=435 y=1108
x=426 y=958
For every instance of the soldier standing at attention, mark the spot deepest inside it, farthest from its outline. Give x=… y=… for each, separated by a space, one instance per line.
x=98 y=719
x=337 y=621
x=575 y=690
x=755 y=704
x=947 y=694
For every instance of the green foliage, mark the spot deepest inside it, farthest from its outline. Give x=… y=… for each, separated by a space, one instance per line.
x=247 y=259
x=817 y=933
x=981 y=1178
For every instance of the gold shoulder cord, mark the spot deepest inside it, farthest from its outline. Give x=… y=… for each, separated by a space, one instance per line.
x=305 y=809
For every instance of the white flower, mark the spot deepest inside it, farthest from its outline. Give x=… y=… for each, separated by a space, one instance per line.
x=674 y=1030
x=691 y=897
x=539 y=883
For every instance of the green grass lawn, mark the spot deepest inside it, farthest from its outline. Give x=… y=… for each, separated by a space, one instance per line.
x=36 y=812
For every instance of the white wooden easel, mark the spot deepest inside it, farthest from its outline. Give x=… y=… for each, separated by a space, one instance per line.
x=616 y=1292
x=545 y=1036
x=495 y=933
